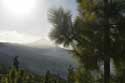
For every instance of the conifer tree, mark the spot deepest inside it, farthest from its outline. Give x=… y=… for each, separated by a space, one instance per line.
x=96 y=35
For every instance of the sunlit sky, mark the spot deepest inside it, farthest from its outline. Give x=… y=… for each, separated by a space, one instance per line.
x=26 y=21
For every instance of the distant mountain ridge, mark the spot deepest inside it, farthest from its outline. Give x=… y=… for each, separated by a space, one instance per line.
x=42 y=43
x=37 y=60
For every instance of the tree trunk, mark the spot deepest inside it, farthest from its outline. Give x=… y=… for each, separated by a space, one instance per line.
x=106 y=43
x=107 y=70
x=106 y=56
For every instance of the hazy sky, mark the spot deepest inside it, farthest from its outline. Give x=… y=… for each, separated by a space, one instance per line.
x=24 y=21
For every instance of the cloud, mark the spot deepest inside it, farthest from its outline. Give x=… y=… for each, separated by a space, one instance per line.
x=16 y=37
x=31 y=27
x=34 y=23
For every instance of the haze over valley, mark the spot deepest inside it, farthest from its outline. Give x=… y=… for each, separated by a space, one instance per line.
x=37 y=59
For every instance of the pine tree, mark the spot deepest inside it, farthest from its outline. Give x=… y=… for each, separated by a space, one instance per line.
x=96 y=35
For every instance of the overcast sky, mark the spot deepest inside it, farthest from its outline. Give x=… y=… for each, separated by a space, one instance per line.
x=24 y=21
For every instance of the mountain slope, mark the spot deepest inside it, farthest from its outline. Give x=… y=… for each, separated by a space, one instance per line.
x=37 y=60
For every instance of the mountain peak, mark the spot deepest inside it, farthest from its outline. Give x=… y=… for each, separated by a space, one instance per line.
x=42 y=43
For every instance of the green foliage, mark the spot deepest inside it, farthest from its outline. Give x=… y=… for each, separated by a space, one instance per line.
x=97 y=34
x=62 y=23
x=83 y=76
x=17 y=76
x=21 y=76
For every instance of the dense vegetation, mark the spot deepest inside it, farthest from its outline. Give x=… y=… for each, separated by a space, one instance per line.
x=20 y=76
x=81 y=75
x=96 y=36
x=15 y=75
